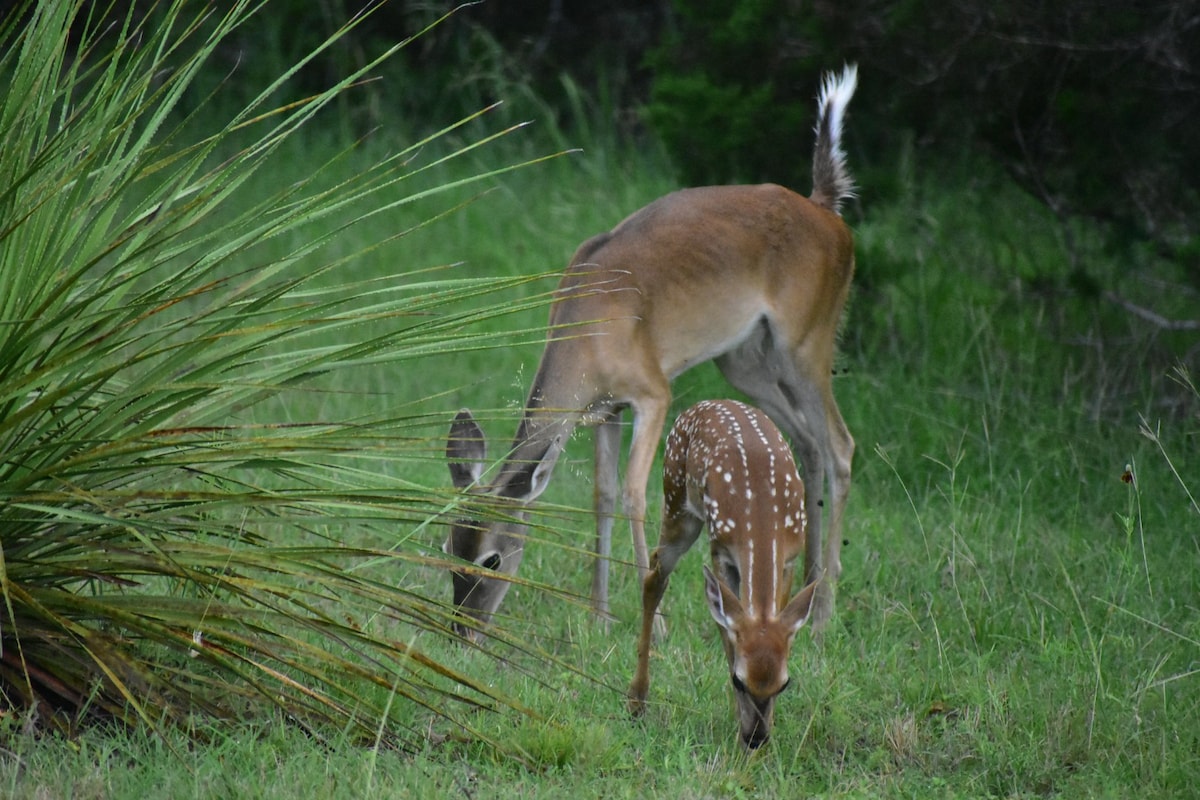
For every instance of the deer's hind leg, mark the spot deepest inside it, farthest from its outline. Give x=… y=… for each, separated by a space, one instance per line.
x=809 y=385
x=794 y=388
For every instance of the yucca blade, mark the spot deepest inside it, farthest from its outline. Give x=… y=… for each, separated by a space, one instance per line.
x=166 y=548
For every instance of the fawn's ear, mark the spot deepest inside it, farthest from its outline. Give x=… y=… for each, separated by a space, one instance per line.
x=723 y=604
x=795 y=614
x=466 y=450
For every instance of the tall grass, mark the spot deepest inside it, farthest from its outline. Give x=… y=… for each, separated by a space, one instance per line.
x=171 y=554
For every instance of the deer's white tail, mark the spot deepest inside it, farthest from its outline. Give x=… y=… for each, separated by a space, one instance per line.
x=831 y=180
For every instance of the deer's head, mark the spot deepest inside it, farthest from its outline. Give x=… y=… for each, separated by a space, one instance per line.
x=490 y=544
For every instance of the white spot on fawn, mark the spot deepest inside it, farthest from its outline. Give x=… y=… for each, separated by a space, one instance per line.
x=774 y=568
x=748 y=578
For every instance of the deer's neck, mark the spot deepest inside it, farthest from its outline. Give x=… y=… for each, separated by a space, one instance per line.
x=558 y=401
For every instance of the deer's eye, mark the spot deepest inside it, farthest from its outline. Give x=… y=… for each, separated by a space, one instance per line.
x=739 y=685
x=786 y=684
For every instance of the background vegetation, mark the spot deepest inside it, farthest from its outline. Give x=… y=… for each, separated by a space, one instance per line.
x=1018 y=616
x=1091 y=108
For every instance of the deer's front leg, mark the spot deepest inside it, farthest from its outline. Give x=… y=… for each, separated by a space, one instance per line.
x=648 y=419
x=606 y=483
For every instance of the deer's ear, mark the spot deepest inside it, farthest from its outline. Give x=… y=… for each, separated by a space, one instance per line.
x=466 y=450
x=796 y=612
x=723 y=604
x=540 y=477
x=531 y=476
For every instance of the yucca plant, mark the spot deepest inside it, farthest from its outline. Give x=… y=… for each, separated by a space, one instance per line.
x=166 y=551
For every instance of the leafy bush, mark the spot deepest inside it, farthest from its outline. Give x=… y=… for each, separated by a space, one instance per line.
x=730 y=98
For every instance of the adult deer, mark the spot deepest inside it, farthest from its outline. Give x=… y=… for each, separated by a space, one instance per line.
x=751 y=277
x=728 y=468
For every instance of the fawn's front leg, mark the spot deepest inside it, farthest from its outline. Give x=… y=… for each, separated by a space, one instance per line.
x=679 y=531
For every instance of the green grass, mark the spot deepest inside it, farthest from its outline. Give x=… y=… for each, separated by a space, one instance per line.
x=1014 y=620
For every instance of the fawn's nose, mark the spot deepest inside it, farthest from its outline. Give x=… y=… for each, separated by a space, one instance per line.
x=757 y=738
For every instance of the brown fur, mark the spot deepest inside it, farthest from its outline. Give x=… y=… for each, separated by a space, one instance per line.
x=728 y=468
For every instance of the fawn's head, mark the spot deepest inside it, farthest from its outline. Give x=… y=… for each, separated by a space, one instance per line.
x=757 y=650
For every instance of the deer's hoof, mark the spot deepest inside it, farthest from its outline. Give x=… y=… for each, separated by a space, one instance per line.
x=637 y=703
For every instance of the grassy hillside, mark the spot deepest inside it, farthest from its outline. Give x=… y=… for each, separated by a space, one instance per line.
x=1018 y=614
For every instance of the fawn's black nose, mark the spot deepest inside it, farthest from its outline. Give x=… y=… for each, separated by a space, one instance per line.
x=757 y=738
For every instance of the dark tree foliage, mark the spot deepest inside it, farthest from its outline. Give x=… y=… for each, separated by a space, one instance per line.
x=1093 y=106
x=733 y=89
x=537 y=43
